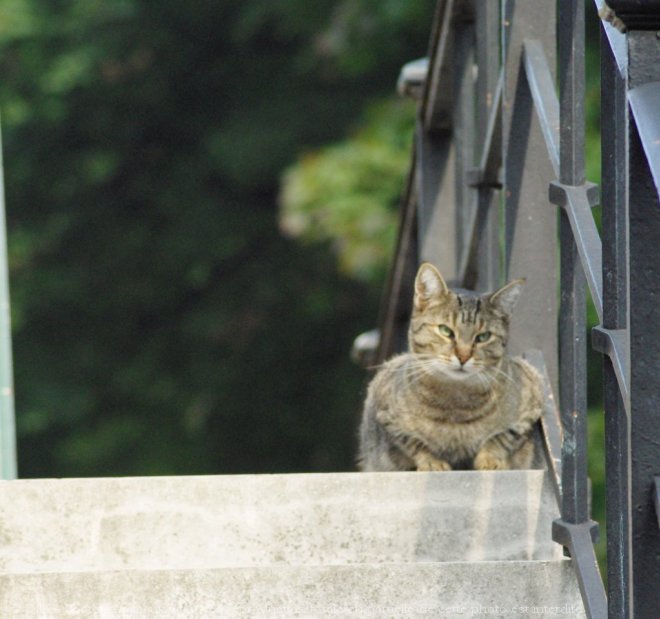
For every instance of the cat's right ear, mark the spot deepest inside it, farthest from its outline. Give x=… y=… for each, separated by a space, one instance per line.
x=428 y=285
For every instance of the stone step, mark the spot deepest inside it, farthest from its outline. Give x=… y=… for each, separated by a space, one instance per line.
x=492 y=589
x=251 y=520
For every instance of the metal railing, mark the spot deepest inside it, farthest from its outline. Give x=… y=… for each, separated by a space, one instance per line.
x=499 y=140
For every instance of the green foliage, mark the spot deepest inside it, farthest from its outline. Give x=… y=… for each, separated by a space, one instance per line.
x=348 y=193
x=161 y=322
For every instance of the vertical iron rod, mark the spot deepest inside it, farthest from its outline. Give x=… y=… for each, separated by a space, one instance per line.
x=488 y=61
x=464 y=130
x=614 y=154
x=572 y=312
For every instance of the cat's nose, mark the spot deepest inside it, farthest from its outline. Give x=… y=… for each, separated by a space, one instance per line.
x=463 y=355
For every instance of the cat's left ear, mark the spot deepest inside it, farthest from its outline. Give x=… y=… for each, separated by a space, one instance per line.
x=506 y=298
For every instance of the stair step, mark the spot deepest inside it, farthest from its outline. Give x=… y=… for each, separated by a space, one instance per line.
x=252 y=520
x=493 y=589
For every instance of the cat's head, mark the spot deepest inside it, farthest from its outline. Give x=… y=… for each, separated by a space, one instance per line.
x=465 y=331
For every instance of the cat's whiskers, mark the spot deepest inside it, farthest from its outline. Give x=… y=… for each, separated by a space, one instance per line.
x=417 y=373
x=423 y=367
x=486 y=381
x=418 y=359
x=501 y=372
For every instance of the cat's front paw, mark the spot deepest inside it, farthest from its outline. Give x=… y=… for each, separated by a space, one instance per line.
x=430 y=463
x=487 y=462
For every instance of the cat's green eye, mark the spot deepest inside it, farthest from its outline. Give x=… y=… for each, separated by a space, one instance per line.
x=482 y=337
x=446 y=331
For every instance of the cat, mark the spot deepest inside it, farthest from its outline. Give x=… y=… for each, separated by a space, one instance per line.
x=456 y=400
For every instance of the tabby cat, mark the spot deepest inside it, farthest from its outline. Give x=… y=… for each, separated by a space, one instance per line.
x=456 y=400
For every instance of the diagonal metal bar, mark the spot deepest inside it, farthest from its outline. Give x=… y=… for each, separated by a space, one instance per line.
x=438 y=95
x=486 y=175
x=396 y=300
x=551 y=434
x=579 y=539
x=542 y=87
x=577 y=202
x=487 y=172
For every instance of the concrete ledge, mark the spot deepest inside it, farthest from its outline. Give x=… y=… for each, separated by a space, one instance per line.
x=249 y=520
x=492 y=589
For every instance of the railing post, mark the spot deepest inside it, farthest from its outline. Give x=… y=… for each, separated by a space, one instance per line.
x=488 y=59
x=644 y=270
x=573 y=309
x=614 y=199
x=464 y=132
x=436 y=152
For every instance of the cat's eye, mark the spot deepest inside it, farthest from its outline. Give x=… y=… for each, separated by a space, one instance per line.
x=446 y=331
x=482 y=337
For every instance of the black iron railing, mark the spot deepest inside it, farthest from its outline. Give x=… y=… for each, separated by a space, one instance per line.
x=500 y=140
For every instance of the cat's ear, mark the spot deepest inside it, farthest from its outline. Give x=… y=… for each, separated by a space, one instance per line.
x=428 y=285
x=506 y=298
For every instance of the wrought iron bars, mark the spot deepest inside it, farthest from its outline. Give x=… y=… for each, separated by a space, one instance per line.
x=574 y=529
x=626 y=264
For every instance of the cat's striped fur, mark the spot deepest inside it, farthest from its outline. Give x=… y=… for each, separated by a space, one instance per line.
x=456 y=400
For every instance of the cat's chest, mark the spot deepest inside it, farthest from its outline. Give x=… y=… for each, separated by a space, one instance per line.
x=455 y=424
x=454 y=440
x=445 y=404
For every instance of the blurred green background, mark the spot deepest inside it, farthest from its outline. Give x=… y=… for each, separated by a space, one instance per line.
x=202 y=202
x=166 y=319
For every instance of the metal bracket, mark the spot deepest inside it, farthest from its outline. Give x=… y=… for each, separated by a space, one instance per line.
x=558 y=193
x=566 y=533
x=606 y=341
x=412 y=78
x=365 y=349
x=614 y=344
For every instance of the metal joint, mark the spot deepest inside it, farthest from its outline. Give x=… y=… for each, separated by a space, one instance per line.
x=614 y=343
x=604 y=340
x=558 y=193
x=566 y=533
